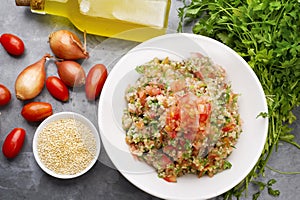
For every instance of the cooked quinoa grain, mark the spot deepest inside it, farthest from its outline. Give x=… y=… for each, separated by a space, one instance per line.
x=66 y=146
x=182 y=117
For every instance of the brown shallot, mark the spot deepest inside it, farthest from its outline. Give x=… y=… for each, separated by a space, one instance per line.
x=67 y=46
x=71 y=73
x=31 y=80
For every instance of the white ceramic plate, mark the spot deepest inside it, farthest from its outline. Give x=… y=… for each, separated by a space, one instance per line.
x=252 y=102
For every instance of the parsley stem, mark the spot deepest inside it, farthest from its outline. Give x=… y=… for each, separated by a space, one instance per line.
x=281 y=172
x=290 y=142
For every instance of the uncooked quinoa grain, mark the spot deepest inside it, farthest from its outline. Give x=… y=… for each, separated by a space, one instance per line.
x=66 y=146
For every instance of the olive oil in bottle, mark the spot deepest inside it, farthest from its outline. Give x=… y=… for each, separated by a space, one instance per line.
x=136 y=20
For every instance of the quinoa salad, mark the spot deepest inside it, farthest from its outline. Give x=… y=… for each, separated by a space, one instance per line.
x=182 y=117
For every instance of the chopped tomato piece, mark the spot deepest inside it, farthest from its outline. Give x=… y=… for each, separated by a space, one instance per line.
x=172 y=121
x=142 y=96
x=199 y=75
x=172 y=134
x=203 y=117
x=189 y=113
x=228 y=127
x=190 y=136
x=165 y=161
x=212 y=156
x=171 y=179
x=140 y=124
x=177 y=85
x=153 y=90
x=205 y=110
x=175 y=113
x=168 y=148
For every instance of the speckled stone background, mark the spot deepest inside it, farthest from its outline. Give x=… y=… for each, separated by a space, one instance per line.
x=21 y=178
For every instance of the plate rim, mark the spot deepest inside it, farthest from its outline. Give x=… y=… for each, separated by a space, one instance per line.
x=264 y=103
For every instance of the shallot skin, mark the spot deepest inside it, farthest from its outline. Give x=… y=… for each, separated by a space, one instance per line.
x=66 y=45
x=30 y=82
x=71 y=73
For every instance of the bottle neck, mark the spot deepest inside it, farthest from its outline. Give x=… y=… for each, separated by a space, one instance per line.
x=38 y=6
x=54 y=7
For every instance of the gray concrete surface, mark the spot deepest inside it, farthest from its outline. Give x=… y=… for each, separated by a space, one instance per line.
x=21 y=178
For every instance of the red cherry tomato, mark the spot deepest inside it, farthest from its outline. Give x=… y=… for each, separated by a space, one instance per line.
x=57 y=88
x=13 y=143
x=36 y=111
x=5 y=95
x=95 y=81
x=12 y=44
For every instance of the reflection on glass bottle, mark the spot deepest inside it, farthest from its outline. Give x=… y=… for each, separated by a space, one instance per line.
x=136 y=20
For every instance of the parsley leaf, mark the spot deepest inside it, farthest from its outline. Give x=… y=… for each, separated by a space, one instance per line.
x=266 y=34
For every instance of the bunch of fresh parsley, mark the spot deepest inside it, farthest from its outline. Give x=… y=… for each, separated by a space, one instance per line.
x=266 y=33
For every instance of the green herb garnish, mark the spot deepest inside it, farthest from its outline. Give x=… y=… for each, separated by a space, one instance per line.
x=266 y=34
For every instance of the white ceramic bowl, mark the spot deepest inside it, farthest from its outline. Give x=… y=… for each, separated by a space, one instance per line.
x=66 y=115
